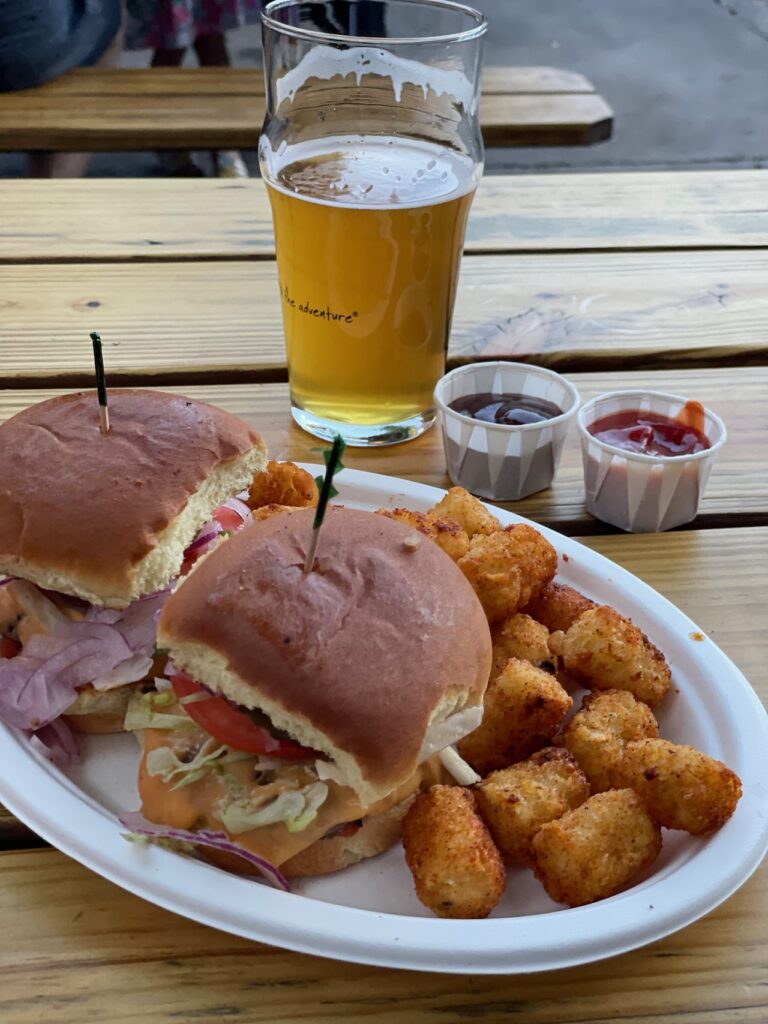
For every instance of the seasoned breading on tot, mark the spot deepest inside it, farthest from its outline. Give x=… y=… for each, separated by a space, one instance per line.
x=557 y=606
x=457 y=870
x=681 y=787
x=597 y=849
x=523 y=709
x=536 y=557
x=600 y=730
x=605 y=651
x=519 y=636
x=447 y=534
x=265 y=511
x=515 y=802
x=451 y=537
x=283 y=483
x=466 y=510
x=496 y=578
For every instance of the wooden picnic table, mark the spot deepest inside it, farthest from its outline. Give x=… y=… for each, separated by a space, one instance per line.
x=620 y=280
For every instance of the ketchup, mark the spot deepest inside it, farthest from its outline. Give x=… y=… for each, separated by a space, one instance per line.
x=651 y=433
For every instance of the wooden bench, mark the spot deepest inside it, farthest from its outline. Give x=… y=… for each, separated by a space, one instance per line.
x=93 y=109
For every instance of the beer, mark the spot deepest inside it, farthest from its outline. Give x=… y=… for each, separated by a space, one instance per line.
x=369 y=233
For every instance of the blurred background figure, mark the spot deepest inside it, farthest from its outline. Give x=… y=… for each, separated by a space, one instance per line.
x=40 y=40
x=170 y=28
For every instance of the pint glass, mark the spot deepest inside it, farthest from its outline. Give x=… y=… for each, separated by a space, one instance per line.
x=371 y=151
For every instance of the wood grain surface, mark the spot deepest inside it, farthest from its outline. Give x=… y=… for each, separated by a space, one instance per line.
x=215 y=321
x=200 y=108
x=81 y=950
x=497 y=80
x=737 y=395
x=157 y=219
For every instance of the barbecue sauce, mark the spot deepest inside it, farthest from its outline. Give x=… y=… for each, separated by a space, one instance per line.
x=651 y=433
x=511 y=410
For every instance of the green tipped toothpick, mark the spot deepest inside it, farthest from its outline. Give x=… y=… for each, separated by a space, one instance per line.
x=333 y=465
x=101 y=383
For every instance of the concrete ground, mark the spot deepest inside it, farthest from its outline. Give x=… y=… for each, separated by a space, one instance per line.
x=687 y=79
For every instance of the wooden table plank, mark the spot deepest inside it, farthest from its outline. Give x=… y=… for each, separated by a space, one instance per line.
x=69 y=959
x=738 y=396
x=148 y=108
x=102 y=219
x=221 y=321
x=68 y=956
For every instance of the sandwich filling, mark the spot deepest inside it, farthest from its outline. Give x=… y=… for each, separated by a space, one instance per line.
x=273 y=799
x=61 y=656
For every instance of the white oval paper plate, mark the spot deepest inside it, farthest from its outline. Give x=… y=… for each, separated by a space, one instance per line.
x=369 y=913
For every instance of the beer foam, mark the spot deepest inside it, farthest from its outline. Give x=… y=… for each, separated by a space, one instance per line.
x=327 y=62
x=372 y=171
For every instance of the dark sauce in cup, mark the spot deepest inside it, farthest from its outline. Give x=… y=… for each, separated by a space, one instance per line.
x=510 y=410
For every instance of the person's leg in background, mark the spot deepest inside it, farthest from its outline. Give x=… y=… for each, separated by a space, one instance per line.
x=211 y=50
x=45 y=164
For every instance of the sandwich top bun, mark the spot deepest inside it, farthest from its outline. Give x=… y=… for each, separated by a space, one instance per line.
x=107 y=517
x=382 y=641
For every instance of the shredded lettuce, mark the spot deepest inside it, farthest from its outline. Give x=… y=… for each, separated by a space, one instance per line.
x=165 y=762
x=328 y=770
x=142 y=713
x=294 y=808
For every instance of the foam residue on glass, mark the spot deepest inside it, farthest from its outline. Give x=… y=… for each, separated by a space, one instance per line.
x=326 y=62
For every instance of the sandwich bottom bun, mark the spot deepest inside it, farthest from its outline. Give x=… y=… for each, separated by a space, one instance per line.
x=99 y=712
x=331 y=853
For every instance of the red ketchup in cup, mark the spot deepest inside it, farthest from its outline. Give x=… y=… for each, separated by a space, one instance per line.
x=651 y=433
x=647 y=456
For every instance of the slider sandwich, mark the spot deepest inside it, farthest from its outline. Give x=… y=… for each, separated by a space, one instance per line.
x=303 y=711
x=93 y=528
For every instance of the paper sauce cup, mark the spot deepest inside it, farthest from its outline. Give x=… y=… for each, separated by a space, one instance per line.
x=494 y=460
x=644 y=493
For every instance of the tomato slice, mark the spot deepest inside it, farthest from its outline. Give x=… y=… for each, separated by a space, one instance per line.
x=229 y=725
x=9 y=647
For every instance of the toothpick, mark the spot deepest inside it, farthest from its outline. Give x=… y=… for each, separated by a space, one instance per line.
x=327 y=491
x=101 y=384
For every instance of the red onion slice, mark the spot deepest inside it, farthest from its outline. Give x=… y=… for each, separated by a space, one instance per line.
x=136 y=822
x=240 y=507
x=208 y=532
x=57 y=742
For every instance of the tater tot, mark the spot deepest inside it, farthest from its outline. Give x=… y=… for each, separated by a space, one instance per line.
x=457 y=870
x=597 y=849
x=493 y=573
x=450 y=537
x=681 y=787
x=466 y=510
x=599 y=731
x=519 y=636
x=447 y=534
x=283 y=483
x=265 y=511
x=523 y=709
x=515 y=802
x=535 y=556
x=605 y=651
x=558 y=606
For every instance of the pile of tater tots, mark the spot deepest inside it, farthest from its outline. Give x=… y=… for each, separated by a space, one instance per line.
x=579 y=800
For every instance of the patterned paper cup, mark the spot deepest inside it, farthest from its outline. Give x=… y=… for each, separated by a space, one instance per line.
x=644 y=493
x=493 y=460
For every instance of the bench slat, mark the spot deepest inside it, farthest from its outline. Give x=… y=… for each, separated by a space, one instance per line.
x=215 y=108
